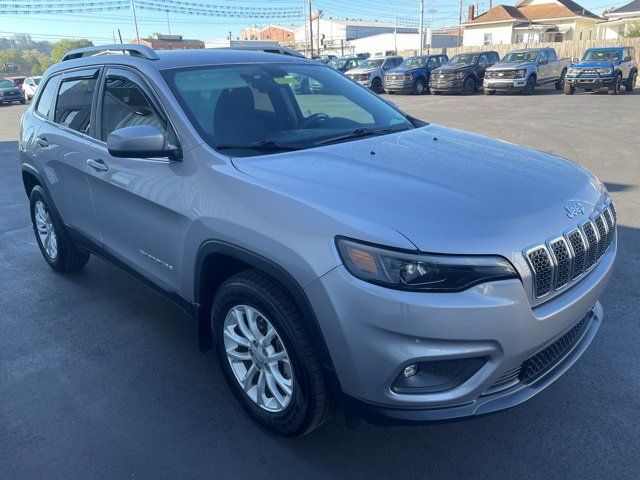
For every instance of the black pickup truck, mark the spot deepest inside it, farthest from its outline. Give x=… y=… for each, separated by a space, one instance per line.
x=463 y=73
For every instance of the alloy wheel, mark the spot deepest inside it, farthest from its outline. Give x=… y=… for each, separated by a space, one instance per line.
x=258 y=358
x=46 y=231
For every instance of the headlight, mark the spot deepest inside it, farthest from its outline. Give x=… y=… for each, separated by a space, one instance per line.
x=521 y=73
x=572 y=71
x=403 y=270
x=458 y=75
x=606 y=71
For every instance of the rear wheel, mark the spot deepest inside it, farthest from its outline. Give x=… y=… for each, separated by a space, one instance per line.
x=267 y=355
x=530 y=86
x=560 y=83
x=469 y=86
x=57 y=248
x=630 y=84
x=569 y=89
x=376 y=85
x=616 y=85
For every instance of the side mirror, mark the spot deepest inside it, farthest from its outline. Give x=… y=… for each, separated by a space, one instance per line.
x=626 y=59
x=140 y=141
x=575 y=60
x=542 y=62
x=386 y=67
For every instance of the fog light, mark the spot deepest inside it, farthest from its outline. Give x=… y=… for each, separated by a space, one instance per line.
x=410 y=371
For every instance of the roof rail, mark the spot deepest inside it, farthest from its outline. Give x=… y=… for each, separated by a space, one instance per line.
x=134 y=50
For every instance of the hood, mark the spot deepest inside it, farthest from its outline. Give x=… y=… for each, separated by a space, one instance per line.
x=402 y=70
x=454 y=68
x=510 y=65
x=362 y=70
x=446 y=190
x=593 y=64
x=10 y=89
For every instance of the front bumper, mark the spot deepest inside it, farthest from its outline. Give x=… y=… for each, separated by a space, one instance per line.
x=373 y=333
x=579 y=81
x=504 y=84
x=12 y=98
x=451 y=86
x=399 y=86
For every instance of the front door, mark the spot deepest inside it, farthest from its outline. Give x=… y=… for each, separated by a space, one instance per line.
x=136 y=199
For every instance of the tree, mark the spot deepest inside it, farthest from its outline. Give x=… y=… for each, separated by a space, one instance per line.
x=632 y=30
x=63 y=46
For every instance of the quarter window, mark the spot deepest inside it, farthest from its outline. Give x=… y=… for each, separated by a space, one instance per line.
x=124 y=104
x=45 y=102
x=73 y=108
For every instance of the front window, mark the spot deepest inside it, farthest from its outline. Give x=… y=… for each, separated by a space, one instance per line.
x=371 y=63
x=514 y=57
x=599 y=55
x=7 y=84
x=245 y=110
x=463 y=59
x=414 y=62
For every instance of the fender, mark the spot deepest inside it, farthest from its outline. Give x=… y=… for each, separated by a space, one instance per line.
x=276 y=272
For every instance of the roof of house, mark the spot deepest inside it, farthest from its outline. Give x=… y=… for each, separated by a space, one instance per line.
x=543 y=11
x=630 y=7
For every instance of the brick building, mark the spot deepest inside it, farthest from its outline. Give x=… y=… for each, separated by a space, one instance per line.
x=158 y=41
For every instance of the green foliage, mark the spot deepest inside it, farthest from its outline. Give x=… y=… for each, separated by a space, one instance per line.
x=632 y=30
x=63 y=46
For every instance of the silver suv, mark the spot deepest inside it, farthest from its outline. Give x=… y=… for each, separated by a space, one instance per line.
x=332 y=249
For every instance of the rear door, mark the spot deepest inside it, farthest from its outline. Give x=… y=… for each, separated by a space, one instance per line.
x=63 y=145
x=137 y=199
x=483 y=64
x=543 y=66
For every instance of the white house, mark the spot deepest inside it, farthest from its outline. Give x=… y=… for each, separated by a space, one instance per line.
x=386 y=42
x=617 y=20
x=530 y=21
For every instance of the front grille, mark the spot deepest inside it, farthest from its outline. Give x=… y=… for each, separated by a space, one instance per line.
x=444 y=76
x=500 y=74
x=360 y=76
x=563 y=259
x=543 y=361
x=394 y=77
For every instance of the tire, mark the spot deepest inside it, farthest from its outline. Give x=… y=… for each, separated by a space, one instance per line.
x=560 y=83
x=469 y=86
x=630 y=84
x=22 y=102
x=530 y=86
x=309 y=403
x=420 y=87
x=568 y=89
x=389 y=92
x=588 y=89
x=435 y=92
x=59 y=251
x=489 y=92
x=376 y=85
x=615 y=88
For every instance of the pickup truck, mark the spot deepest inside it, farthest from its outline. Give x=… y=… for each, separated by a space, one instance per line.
x=369 y=73
x=523 y=70
x=413 y=75
x=612 y=68
x=463 y=74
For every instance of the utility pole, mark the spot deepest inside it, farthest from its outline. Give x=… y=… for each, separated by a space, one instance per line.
x=395 y=35
x=318 y=30
x=460 y=23
x=135 y=20
x=310 y=29
x=168 y=23
x=422 y=26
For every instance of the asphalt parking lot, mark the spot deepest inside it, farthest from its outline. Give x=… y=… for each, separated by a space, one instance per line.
x=101 y=378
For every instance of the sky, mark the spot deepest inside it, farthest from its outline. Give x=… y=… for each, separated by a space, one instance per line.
x=101 y=28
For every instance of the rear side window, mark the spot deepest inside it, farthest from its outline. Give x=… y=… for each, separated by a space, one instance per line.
x=45 y=102
x=73 y=108
x=552 y=55
x=125 y=105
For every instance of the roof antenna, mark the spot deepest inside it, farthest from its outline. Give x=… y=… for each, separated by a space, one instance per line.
x=120 y=35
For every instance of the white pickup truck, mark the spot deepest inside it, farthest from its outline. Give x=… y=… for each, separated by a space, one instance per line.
x=523 y=70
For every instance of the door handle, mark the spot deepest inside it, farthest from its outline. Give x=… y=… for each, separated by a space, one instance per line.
x=42 y=142
x=98 y=165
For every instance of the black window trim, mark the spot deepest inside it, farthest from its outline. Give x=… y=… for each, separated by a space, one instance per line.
x=137 y=77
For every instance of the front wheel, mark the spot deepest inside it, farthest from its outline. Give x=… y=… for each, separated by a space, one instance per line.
x=530 y=86
x=267 y=355
x=376 y=85
x=631 y=81
x=420 y=87
x=57 y=248
x=616 y=85
x=560 y=83
x=569 y=89
x=489 y=92
x=469 y=86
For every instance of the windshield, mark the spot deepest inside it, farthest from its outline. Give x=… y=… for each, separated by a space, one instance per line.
x=414 y=62
x=464 y=59
x=6 y=84
x=371 y=63
x=602 y=55
x=338 y=62
x=513 y=57
x=247 y=110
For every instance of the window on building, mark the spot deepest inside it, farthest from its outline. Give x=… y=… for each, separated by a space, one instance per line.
x=488 y=38
x=519 y=37
x=581 y=33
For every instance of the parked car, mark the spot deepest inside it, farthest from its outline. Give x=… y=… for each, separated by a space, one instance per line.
x=30 y=86
x=610 y=68
x=10 y=92
x=334 y=252
x=18 y=81
x=523 y=70
x=463 y=74
x=344 y=64
x=369 y=72
x=412 y=76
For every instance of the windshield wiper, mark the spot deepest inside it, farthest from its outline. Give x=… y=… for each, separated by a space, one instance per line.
x=359 y=132
x=262 y=146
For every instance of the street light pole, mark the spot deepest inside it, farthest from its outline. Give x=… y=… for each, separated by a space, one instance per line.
x=310 y=30
x=421 y=26
x=135 y=20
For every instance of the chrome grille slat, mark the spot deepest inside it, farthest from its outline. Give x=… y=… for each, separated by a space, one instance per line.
x=564 y=259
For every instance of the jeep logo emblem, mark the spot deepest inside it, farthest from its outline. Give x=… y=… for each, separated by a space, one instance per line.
x=575 y=209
